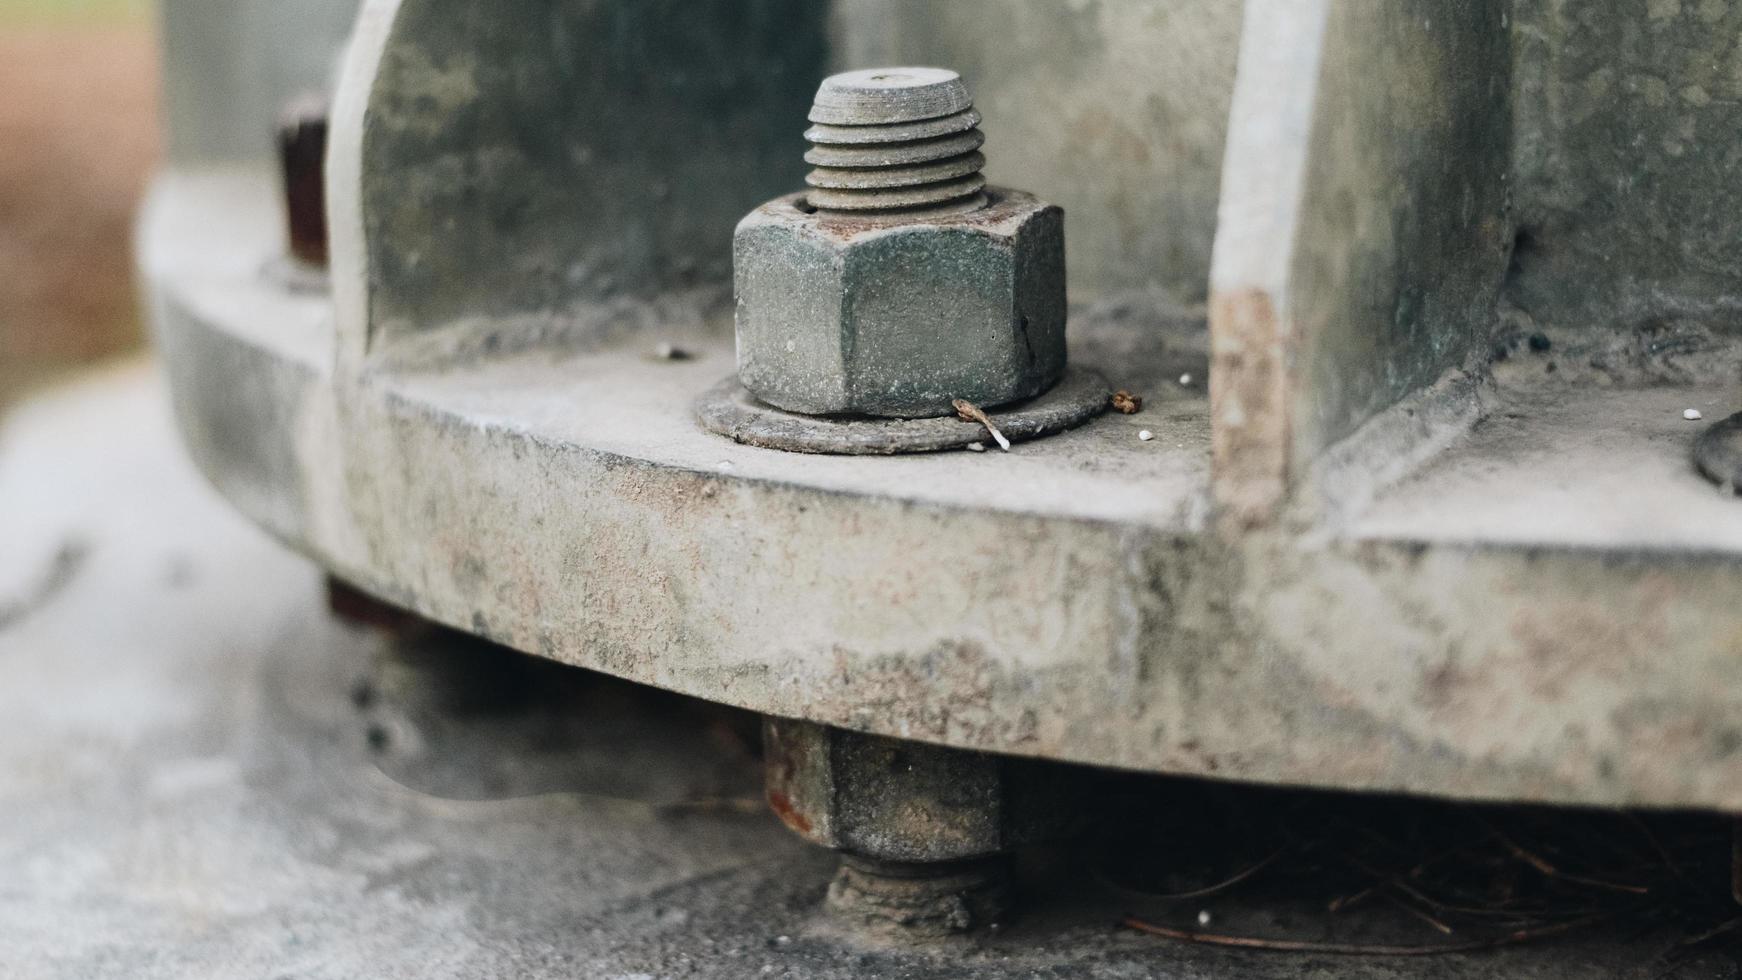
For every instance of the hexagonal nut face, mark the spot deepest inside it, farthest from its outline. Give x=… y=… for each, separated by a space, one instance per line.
x=894 y=800
x=898 y=319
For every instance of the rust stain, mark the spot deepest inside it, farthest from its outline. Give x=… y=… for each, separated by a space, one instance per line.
x=782 y=806
x=1250 y=416
x=1565 y=642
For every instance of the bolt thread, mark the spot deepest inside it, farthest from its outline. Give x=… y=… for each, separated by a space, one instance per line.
x=920 y=899
x=895 y=141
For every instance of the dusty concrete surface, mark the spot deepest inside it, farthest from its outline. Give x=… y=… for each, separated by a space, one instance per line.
x=188 y=789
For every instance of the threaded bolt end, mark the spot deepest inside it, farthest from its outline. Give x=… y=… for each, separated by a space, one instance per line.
x=895 y=141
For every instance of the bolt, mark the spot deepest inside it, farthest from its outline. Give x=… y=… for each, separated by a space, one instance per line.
x=922 y=899
x=358 y=608
x=302 y=155
x=895 y=142
x=900 y=281
x=924 y=831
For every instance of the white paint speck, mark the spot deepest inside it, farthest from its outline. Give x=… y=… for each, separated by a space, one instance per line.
x=1145 y=435
x=976 y=447
x=1203 y=917
x=1186 y=379
x=1692 y=414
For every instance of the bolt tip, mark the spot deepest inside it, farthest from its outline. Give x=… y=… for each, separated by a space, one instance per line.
x=881 y=96
x=895 y=140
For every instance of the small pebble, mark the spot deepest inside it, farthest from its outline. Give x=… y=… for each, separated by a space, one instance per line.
x=724 y=465
x=1186 y=379
x=1539 y=342
x=976 y=447
x=1204 y=917
x=1145 y=435
x=668 y=351
x=1692 y=415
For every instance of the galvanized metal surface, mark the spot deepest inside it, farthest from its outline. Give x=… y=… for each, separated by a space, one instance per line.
x=1363 y=231
x=1058 y=601
x=895 y=801
x=1115 y=110
x=839 y=314
x=187 y=787
x=1626 y=166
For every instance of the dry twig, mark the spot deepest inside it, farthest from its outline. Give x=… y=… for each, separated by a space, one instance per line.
x=1208 y=890
x=1358 y=949
x=970 y=412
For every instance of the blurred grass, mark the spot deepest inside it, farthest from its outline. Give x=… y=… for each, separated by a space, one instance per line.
x=78 y=138
x=74 y=12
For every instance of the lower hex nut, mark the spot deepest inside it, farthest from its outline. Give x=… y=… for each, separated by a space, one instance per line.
x=924 y=830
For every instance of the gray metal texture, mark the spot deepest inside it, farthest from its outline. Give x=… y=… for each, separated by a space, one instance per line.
x=1545 y=613
x=1115 y=110
x=729 y=409
x=874 y=150
x=1363 y=234
x=890 y=800
x=900 y=317
x=625 y=171
x=188 y=787
x=629 y=138
x=882 y=96
x=1628 y=191
x=922 y=901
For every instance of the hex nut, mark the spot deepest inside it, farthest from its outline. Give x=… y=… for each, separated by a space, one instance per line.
x=860 y=315
x=898 y=801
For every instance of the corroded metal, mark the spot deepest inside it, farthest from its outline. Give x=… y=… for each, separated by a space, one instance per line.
x=302 y=155
x=921 y=900
x=894 y=800
x=922 y=830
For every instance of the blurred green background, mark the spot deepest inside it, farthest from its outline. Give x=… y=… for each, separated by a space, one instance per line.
x=13 y=12
x=78 y=140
